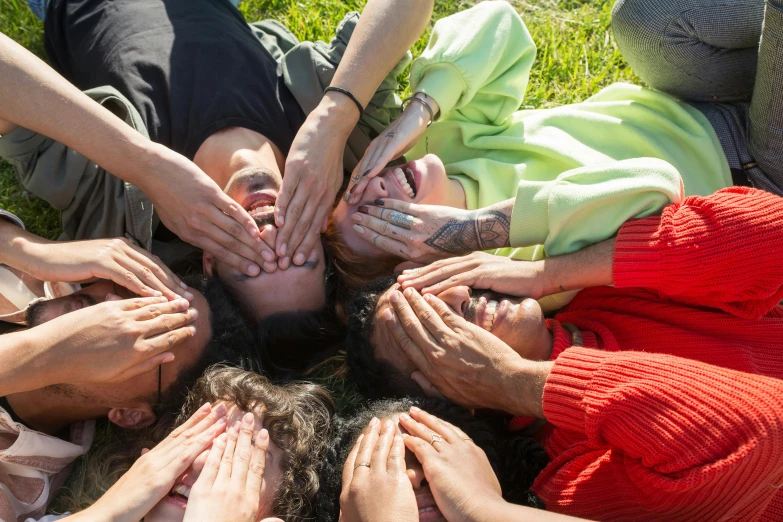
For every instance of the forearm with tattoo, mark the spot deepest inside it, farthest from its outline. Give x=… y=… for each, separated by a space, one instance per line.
x=484 y=229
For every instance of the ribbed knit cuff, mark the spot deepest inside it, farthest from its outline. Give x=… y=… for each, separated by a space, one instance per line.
x=561 y=338
x=530 y=217
x=637 y=261
x=567 y=385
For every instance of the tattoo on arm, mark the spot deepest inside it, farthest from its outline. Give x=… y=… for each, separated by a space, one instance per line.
x=488 y=229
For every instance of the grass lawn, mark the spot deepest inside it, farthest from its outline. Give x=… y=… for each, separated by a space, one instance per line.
x=576 y=57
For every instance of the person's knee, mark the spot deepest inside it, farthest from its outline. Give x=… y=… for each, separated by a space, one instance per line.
x=634 y=23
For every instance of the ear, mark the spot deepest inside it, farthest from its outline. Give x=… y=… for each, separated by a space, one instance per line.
x=208 y=263
x=132 y=418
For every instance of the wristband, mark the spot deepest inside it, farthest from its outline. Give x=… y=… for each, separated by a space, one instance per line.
x=351 y=96
x=426 y=106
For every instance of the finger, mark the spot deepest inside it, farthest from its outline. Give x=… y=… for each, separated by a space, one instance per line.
x=212 y=465
x=435 y=274
x=228 y=207
x=189 y=451
x=155 y=310
x=441 y=427
x=139 y=303
x=159 y=276
x=287 y=192
x=396 y=461
x=227 y=462
x=244 y=450
x=381 y=226
x=408 y=345
x=417 y=429
x=126 y=274
x=168 y=322
x=295 y=230
x=200 y=415
x=308 y=243
x=247 y=266
x=426 y=386
x=371 y=435
x=380 y=454
x=240 y=237
x=421 y=448
x=426 y=315
x=350 y=462
x=411 y=209
x=255 y=477
x=195 y=426
x=392 y=246
x=406 y=265
x=169 y=340
x=449 y=318
x=144 y=366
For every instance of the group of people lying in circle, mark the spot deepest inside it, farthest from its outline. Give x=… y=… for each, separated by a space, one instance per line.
x=550 y=314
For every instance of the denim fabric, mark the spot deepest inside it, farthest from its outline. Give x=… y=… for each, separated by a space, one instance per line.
x=38 y=7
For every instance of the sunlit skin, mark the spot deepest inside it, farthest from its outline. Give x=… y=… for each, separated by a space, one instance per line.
x=433 y=187
x=520 y=323
x=172 y=507
x=295 y=288
x=145 y=385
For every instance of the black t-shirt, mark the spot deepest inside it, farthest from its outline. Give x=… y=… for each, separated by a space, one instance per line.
x=191 y=67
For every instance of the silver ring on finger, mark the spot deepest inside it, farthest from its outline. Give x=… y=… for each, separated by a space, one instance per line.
x=436 y=438
x=401 y=220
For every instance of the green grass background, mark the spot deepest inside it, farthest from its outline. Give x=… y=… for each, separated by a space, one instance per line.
x=577 y=56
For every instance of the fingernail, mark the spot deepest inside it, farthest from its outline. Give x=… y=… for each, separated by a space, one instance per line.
x=347 y=195
x=157 y=293
x=263 y=434
x=357 y=217
x=282 y=249
x=235 y=427
x=270 y=267
x=359 y=439
x=248 y=419
x=414 y=409
x=427 y=297
x=388 y=425
x=366 y=172
x=285 y=262
x=408 y=292
x=374 y=421
x=379 y=202
x=405 y=416
x=183 y=285
x=205 y=407
x=221 y=409
x=221 y=421
x=223 y=437
x=189 y=296
x=281 y=219
x=299 y=259
x=364 y=209
x=395 y=297
x=387 y=314
x=359 y=230
x=268 y=256
x=253 y=270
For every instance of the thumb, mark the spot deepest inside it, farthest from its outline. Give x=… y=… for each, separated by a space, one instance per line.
x=143 y=367
x=426 y=386
x=451 y=319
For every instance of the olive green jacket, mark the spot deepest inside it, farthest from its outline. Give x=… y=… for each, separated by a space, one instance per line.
x=96 y=204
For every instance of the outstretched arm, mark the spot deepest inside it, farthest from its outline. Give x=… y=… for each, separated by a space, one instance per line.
x=314 y=169
x=188 y=202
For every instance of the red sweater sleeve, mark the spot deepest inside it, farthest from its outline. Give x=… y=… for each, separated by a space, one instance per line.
x=723 y=251
x=641 y=436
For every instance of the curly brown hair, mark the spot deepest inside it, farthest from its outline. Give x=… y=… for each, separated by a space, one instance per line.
x=298 y=417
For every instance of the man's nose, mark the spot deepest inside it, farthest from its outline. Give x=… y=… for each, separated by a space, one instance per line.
x=457 y=298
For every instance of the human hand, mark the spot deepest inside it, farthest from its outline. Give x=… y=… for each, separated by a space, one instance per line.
x=192 y=206
x=395 y=141
x=478 y=270
x=232 y=482
x=153 y=475
x=435 y=231
x=313 y=175
x=116 y=259
x=115 y=340
x=458 y=472
x=460 y=361
x=376 y=487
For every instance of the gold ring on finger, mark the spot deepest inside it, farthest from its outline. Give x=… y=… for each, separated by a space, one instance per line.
x=401 y=220
x=362 y=464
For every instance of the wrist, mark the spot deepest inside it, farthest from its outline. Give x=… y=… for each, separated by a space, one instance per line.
x=525 y=387
x=339 y=111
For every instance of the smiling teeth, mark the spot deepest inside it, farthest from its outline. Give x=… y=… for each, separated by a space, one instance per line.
x=183 y=490
x=489 y=315
x=400 y=175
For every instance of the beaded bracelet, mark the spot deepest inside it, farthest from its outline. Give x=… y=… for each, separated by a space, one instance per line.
x=426 y=106
x=350 y=95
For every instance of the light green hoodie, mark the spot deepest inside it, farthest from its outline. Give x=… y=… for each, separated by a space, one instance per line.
x=577 y=172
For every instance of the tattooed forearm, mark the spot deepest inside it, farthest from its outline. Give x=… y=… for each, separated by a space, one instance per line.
x=485 y=229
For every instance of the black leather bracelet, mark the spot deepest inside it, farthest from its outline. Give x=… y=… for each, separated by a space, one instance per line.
x=351 y=96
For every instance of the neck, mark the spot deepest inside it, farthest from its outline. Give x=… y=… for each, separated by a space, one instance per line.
x=48 y=410
x=230 y=150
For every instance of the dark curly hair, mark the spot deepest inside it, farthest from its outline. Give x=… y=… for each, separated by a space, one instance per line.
x=516 y=459
x=298 y=416
x=375 y=377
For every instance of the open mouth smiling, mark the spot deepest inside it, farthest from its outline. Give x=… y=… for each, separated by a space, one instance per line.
x=405 y=177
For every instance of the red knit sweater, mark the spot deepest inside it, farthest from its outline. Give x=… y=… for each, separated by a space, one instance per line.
x=699 y=436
